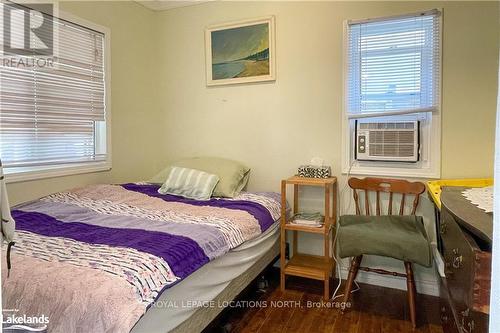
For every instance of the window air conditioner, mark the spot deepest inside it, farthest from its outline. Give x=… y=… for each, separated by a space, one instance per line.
x=396 y=141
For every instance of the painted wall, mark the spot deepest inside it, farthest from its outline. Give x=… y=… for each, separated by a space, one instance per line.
x=135 y=143
x=274 y=127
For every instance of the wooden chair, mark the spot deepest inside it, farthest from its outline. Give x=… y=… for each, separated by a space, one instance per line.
x=390 y=186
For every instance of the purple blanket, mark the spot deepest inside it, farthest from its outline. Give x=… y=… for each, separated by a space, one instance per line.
x=127 y=235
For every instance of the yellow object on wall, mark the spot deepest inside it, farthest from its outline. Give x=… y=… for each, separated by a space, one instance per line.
x=434 y=187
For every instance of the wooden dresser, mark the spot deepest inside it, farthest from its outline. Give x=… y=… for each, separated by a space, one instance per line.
x=466 y=236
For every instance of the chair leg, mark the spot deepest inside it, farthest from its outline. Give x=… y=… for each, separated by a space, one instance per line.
x=353 y=271
x=410 y=285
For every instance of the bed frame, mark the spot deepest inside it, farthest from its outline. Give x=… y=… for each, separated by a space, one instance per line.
x=205 y=315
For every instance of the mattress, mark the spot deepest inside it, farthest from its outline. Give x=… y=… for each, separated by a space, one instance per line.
x=199 y=291
x=99 y=257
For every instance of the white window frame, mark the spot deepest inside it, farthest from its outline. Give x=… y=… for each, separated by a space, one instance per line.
x=430 y=131
x=21 y=174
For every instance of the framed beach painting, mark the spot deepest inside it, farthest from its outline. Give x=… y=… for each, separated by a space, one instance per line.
x=241 y=52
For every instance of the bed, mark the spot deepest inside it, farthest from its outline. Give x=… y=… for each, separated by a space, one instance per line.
x=120 y=258
x=211 y=288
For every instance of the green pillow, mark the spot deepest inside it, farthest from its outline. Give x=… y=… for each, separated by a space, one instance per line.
x=233 y=176
x=189 y=183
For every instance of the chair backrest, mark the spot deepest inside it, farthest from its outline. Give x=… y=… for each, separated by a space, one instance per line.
x=386 y=185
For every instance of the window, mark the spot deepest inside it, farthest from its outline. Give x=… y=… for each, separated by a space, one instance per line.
x=53 y=112
x=393 y=73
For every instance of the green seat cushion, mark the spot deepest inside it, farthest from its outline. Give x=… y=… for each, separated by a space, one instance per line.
x=399 y=237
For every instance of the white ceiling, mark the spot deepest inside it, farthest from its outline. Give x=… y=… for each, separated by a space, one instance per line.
x=169 y=4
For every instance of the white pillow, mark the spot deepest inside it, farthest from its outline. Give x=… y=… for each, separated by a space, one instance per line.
x=189 y=183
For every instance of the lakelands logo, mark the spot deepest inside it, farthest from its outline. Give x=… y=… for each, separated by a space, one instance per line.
x=24 y=319
x=27 y=34
x=13 y=322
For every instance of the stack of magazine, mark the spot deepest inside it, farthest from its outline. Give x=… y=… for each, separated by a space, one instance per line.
x=308 y=219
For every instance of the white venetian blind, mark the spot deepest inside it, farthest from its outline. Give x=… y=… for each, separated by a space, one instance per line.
x=49 y=115
x=393 y=65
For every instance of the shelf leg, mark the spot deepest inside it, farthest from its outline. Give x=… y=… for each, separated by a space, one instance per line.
x=327 y=222
x=295 y=211
x=283 y=236
x=295 y=243
x=282 y=260
x=326 y=294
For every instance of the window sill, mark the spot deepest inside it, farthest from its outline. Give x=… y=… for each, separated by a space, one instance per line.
x=28 y=174
x=390 y=171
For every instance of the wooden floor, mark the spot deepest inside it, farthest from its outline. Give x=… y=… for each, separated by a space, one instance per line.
x=374 y=309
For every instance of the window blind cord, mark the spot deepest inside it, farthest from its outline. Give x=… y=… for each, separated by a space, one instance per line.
x=338 y=261
x=9 y=265
x=345 y=188
x=339 y=265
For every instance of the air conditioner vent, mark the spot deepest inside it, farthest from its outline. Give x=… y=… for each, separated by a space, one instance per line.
x=387 y=141
x=389 y=125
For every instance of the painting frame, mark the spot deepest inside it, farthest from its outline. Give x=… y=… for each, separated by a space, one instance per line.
x=270 y=21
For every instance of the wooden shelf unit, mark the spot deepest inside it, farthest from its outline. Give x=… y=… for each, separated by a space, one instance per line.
x=305 y=265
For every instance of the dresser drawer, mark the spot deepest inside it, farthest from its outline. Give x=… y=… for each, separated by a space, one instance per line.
x=458 y=253
x=449 y=320
x=466 y=249
x=467 y=271
x=454 y=321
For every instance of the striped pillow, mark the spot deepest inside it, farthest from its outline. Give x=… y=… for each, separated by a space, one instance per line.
x=189 y=183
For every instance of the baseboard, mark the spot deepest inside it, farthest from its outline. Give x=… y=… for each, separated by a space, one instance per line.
x=427 y=287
